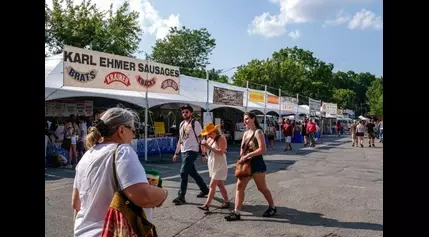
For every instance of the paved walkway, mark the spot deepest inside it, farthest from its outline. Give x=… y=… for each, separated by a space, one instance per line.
x=331 y=190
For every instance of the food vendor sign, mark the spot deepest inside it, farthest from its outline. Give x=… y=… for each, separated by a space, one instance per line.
x=86 y=68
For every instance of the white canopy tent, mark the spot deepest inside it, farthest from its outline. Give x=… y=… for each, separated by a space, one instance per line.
x=192 y=91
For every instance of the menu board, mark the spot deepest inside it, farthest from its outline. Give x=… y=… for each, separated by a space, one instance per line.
x=65 y=109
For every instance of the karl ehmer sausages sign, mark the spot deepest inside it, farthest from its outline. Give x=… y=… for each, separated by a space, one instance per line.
x=86 y=68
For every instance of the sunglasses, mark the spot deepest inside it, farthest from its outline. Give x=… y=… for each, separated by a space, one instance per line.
x=131 y=128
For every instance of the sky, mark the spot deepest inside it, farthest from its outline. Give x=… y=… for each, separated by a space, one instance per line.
x=347 y=33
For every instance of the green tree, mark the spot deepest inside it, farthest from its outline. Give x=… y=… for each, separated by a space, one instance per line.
x=293 y=70
x=189 y=50
x=84 y=26
x=374 y=95
x=344 y=98
x=184 y=48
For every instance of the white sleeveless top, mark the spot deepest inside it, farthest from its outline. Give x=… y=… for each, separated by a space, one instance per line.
x=360 y=128
x=217 y=164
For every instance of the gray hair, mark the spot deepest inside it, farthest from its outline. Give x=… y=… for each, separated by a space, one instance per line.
x=113 y=118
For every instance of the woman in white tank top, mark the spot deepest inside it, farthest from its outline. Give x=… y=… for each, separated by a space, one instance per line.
x=360 y=132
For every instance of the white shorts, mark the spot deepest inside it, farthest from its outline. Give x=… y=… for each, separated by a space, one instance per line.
x=288 y=139
x=73 y=140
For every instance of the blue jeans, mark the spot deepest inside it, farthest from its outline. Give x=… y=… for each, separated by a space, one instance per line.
x=188 y=168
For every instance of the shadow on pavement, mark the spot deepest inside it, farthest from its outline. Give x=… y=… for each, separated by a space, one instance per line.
x=58 y=173
x=296 y=217
x=272 y=166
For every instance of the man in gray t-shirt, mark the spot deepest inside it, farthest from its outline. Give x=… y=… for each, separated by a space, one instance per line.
x=189 y=145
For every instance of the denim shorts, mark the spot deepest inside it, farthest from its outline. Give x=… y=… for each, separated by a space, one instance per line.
x=258 y=164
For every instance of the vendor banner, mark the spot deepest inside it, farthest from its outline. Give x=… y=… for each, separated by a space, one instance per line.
x=329 y=108
x=65 y=109
x=289 y=103
x=273 y=99
x=227 y=97
x=314 y=104
x=256 y=96
x=92 y=69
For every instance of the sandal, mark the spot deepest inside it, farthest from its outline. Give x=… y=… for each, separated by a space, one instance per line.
x=225 y=205
x=203 y=207
x=232 y=217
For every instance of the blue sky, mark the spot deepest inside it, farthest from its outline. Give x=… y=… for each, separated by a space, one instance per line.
x=347 y=33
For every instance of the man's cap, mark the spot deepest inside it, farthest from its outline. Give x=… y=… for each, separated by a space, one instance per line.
x=188 y=107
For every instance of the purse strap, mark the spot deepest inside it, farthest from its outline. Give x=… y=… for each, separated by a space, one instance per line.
x=114 y=169
x=248 y=141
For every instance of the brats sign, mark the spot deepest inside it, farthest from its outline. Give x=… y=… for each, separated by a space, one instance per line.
x=86 y=68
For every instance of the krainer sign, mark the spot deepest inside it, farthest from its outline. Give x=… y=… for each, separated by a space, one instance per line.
x=86 y=68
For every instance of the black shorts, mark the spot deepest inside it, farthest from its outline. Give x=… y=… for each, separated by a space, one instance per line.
x=66 y=144
x=80 y=146
x=258 y=165
x=270 y=137
x=360 y=134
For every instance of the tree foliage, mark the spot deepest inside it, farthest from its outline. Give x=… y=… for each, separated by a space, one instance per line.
x=189 y=50
x=298 y=71
x=374 y=95
x=85 y=26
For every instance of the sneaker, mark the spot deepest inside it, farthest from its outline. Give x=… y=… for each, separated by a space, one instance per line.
x=232 y=216
x=353 y=145
x=179 y=201
x=270 y=212
x=373 y=145
x=202 y=194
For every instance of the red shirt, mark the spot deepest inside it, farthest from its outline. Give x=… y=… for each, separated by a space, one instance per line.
x=311 y=127
x=288 y=130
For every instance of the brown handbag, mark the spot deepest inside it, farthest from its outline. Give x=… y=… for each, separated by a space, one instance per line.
x=244 y=169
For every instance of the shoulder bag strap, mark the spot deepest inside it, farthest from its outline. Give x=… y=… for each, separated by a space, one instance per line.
x=248 y=141
x=114 y=169
x=193 y=129
x=214 y=141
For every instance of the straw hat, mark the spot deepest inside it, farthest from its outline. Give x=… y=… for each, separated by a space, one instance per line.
x=209 y=128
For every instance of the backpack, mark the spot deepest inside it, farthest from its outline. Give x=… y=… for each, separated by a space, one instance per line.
x=193 y=129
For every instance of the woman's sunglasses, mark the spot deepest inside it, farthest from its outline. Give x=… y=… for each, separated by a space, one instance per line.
x=131 y=128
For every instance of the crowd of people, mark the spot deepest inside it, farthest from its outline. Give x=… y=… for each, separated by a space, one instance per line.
x=71 y=134
x=373 y=128
x=307 y=128
x=106 y=145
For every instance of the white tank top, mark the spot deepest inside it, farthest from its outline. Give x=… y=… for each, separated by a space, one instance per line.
x=360 y=128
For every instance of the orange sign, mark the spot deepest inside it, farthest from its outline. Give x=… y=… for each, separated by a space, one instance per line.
x=272 y=99
x=256 y=97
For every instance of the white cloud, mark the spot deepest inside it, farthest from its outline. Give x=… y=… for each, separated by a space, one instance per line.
x=341 y=18
x=298 y=11
x=295 y=34
x=365 y=19
x=149 y=18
